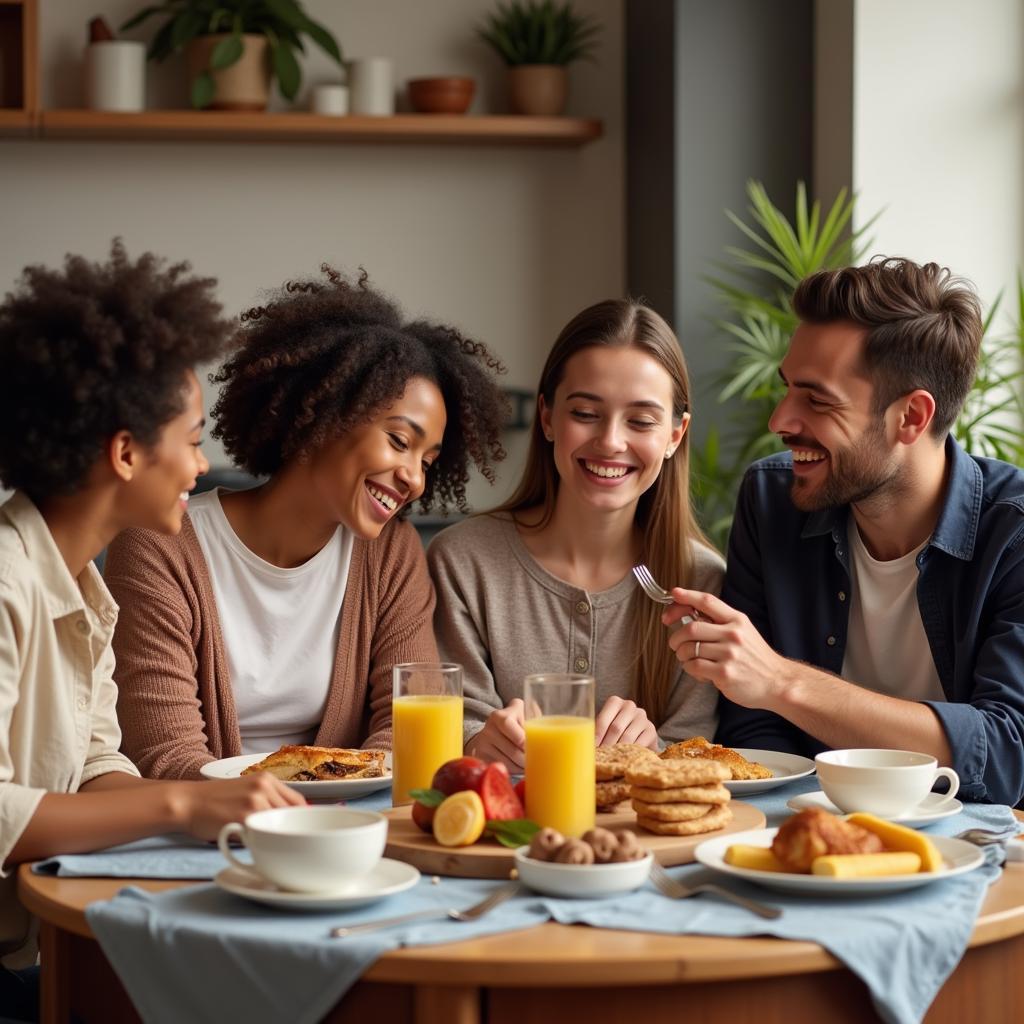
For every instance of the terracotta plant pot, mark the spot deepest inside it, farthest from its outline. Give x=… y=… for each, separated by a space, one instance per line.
x=539 y=89
x=245 y=85
x=441 y=95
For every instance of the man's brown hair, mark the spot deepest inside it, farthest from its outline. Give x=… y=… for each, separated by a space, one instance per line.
x=923 y=325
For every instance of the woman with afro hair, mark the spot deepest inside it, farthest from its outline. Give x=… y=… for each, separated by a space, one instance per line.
x=100 y=422
x=276 y=615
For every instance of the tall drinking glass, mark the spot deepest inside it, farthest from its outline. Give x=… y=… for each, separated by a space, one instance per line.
x=426 y=722
x=560 y=743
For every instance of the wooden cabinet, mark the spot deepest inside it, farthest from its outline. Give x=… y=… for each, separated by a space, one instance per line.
x=19 y=101
x=21 y=115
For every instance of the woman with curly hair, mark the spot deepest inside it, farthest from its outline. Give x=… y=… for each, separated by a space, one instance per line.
x=606 y=486
x=276 y=615
x=100 y=423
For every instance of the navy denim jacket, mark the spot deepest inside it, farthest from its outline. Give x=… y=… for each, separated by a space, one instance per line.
x=789 y=572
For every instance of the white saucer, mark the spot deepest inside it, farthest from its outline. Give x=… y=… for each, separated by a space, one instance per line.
x=387 y=878
x=933 y=807
x=326 y=789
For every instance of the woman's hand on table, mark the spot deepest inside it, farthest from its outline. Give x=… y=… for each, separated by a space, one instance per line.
x=202 y=808
x=502 y=738
x=621 y=721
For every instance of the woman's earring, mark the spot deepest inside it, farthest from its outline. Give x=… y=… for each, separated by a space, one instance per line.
x=669 y=452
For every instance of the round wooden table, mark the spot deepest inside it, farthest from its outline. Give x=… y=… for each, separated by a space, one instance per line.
x=570 y=973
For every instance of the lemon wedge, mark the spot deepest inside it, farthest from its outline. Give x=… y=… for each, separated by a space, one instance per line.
x=460 y=819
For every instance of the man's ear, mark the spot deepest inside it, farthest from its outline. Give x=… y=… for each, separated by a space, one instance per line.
x=123 y=455
x=916 y=412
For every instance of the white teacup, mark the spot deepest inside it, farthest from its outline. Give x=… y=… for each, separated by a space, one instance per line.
x=883 y=782
x=309 y=849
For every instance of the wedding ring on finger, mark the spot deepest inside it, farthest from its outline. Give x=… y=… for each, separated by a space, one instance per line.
x=696 y=649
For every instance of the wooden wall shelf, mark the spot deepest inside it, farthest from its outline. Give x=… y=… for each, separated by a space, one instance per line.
x=221 y=126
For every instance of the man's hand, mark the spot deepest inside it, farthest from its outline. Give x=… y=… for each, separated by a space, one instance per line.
x=721 y=646
x=621 y=721
x=202 y=808
x=502 y=738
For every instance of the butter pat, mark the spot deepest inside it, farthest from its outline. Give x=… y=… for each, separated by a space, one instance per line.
x=902 y=839
x=756 y=858
x=866 y=865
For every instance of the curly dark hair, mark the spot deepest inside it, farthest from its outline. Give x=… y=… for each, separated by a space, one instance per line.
x=93 y=349
x=323 y=356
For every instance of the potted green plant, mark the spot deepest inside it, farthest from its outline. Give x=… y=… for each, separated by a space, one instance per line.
x=537 y=39
x=234 y=48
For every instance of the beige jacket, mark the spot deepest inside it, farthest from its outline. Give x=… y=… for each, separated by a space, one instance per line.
x=175 y=702
x=58 y=729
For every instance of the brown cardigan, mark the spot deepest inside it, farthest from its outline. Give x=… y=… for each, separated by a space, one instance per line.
x=175 y=702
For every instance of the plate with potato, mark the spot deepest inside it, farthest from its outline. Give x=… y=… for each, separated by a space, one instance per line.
x=816 y=852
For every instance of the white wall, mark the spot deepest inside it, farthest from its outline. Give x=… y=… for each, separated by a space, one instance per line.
x=938 y=132
x=505 y=242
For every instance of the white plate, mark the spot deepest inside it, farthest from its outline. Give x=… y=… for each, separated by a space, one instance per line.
x=784 y=768
x=582 y=881
x=958 y=857
x=387 y=878
x=328 y=789
x=933 y=807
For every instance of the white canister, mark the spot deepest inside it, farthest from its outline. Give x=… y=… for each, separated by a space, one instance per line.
x=115 y=75
x=331 y=100
x=371 y=86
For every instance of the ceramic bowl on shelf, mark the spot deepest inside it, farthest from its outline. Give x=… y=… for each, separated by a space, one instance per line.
x=450 y=95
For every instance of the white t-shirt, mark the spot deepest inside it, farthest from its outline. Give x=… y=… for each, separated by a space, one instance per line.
x=886 y=646
x=280 y=628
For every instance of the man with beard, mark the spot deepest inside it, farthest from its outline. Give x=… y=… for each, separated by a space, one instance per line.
x=874 y=595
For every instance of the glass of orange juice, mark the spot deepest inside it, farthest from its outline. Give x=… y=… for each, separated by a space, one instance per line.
x=426 y=723
x=560 y=743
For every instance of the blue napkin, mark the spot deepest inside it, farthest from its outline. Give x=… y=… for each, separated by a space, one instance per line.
x=199 y=954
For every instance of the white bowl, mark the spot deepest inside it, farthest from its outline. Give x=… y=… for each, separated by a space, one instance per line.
x=582 y=881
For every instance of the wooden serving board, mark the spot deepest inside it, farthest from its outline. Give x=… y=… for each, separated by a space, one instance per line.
x=489 y=859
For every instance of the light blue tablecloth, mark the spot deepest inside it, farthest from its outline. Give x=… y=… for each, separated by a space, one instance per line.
x=201 y=954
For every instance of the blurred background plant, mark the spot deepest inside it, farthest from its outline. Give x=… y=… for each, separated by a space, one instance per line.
x=282 y=22
x=540 y=32
x=755 y=286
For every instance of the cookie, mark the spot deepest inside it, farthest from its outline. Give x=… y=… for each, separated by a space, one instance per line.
x=670 y=812
x=657 y=774
x=712 y=793
x=612 y=761
x=716 y=818
x=612 y=792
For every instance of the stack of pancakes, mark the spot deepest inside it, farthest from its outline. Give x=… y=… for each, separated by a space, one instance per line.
x=738 y=765
x=610 y=766
x=679 y=797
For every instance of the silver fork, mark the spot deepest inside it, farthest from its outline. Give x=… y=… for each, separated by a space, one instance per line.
x=984 y=837
x=489 y=902
x=677 y=891
x=659 y=594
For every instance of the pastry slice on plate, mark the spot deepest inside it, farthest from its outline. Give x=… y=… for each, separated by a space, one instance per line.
x=319 y=764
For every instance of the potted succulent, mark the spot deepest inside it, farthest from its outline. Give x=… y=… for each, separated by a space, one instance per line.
x=537 y=39
x=234 y=48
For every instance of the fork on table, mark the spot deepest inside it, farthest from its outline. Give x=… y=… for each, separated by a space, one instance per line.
x=675 y=890
x=489 y=902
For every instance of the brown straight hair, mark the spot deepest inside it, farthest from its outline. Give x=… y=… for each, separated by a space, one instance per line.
x=665 y=513
x=923 y=328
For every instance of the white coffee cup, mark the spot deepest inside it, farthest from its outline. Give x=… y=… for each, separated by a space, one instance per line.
x=330 y=99
x=309 y=849
x=883 y=782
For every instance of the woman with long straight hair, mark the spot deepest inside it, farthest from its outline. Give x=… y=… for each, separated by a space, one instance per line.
x=543 y=583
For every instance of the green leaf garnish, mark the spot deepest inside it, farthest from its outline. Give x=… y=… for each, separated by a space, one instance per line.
x=517 y=832
x=427 y=797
